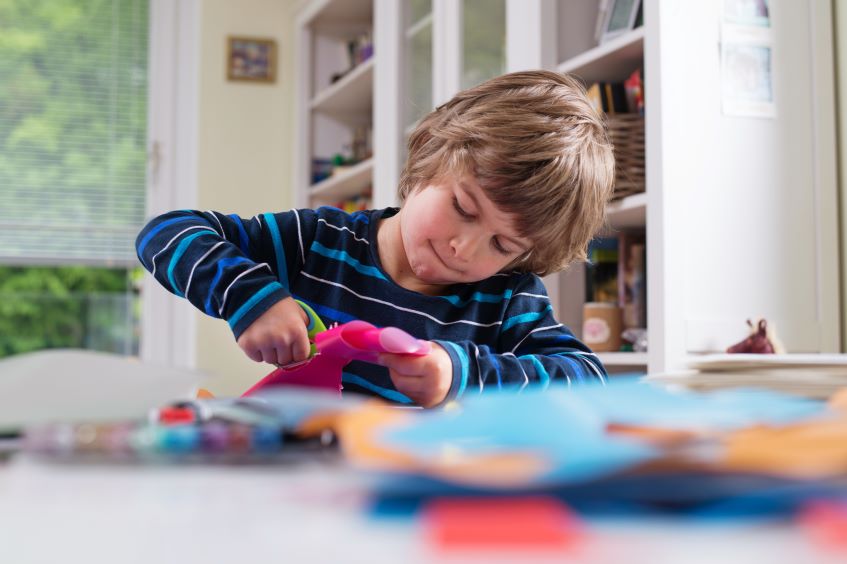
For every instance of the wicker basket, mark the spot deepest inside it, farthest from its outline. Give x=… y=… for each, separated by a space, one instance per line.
x=626 y=132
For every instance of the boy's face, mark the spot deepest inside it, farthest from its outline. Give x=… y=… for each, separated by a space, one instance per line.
x=453 y=233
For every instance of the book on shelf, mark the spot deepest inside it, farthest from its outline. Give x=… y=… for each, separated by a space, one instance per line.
x=356 y=203
x=616 y=276
x=632 y=279
x=614 y=98
x=601 y=271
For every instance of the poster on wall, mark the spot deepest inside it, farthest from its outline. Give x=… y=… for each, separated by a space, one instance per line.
x=747 y=55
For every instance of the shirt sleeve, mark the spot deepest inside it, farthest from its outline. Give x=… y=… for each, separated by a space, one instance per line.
x=226 y=266
x=533 y=348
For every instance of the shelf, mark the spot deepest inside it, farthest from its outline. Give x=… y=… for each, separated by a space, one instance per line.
x=350 y=95
x=610 y=61
x=419 y=25
x=344 y=184
x=628 y=212
x=623 y=358
x=331 y=14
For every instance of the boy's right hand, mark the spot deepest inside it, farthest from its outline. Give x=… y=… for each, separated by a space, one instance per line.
x=278 y=336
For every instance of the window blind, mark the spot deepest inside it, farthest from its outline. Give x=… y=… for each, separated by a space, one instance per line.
x=73 y=112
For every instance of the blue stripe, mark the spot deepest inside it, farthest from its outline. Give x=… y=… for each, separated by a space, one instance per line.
x=478 y=297
x=387 y=393
x=496 y=364
x=569 y=339
x=525 y=318
x=329 y=313
x=180 y=250
x=242 y=234
x=221 y=265
x=152 y=233
x=281 y=268
x=463 y=360
x=344 y=257
x=543 y=376
x=578 y=368
x=249 y=304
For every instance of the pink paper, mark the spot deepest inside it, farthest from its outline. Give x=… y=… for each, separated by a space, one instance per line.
x=356 y=340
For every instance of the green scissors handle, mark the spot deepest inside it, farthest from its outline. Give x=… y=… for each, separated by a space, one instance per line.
x=315 y=326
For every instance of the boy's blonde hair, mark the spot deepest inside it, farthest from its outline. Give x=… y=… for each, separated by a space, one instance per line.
x=537 y=148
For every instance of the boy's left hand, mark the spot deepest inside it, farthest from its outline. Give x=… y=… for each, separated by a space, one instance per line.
x=424 y=379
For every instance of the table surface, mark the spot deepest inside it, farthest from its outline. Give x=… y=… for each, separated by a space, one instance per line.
x=305 y=512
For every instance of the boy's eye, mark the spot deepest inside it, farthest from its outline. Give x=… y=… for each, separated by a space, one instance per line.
x=499 y=248
x=459 y=209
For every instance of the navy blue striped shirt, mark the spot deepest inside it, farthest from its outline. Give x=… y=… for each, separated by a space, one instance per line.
x=498 y=332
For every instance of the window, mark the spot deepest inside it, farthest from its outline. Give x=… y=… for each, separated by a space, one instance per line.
x=73 y=128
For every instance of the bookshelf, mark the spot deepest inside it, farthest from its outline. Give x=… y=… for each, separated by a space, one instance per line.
x=351 y=95
x=345 y=184
x=628 y=213
x=578 y=53
x=618 y=57
x=739 y=213
x=336 y=70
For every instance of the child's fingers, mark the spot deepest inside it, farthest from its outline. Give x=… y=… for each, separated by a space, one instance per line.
x=301 y=349
x=404 y=364
x=269 y=355
x=410 y=385
x=253 y=354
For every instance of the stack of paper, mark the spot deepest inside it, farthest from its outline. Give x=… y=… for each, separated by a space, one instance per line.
x=809 y=375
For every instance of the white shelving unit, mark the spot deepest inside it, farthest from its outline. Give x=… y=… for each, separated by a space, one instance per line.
x=335 y=100
x=618 y=57
x=740 y=213
x=628 y=213
x=609 y=62
x=352 y=94
x=344 y=184
x=623 y=359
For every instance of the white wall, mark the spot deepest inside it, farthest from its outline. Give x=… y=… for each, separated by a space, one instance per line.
x=840 y=30
x=746 y=221
x=245 y=147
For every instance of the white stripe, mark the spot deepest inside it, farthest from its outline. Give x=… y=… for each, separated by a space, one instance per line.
x=300 y=237
x=258 y=221
x=365 y=241
x=389 y=304
x=215 y=215
x=593 y=366
x=190 y=276
x=478 y=371
x=533 y=295
x=587 y=355
x=175 y=237
x=537 y=329
x=226 y=292
x=525 y=376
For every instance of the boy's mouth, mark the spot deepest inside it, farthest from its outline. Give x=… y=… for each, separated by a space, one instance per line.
x=441 y=260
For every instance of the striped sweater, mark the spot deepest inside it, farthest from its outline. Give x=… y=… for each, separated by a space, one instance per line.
x=498 y=332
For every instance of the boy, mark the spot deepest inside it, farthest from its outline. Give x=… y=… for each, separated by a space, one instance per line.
x=506 y=182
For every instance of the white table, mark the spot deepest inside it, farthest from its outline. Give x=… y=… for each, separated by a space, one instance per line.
x=300 y=513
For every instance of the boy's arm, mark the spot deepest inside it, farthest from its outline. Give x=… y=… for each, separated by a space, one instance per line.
x=226 y=266
x=533 y=348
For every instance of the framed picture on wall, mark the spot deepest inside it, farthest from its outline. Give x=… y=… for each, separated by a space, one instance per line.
x=620 y=16
x=251 y=59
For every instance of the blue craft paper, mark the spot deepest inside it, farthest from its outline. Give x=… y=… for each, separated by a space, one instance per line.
x=567 y=427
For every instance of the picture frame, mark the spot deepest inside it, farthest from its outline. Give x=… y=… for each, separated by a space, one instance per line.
x=620 y=17
x=251 y=59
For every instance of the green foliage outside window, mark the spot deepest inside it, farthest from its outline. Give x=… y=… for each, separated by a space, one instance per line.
x=69 y=307
x=73 y=110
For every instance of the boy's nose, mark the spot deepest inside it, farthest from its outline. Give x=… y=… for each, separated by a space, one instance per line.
x=464 y=246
